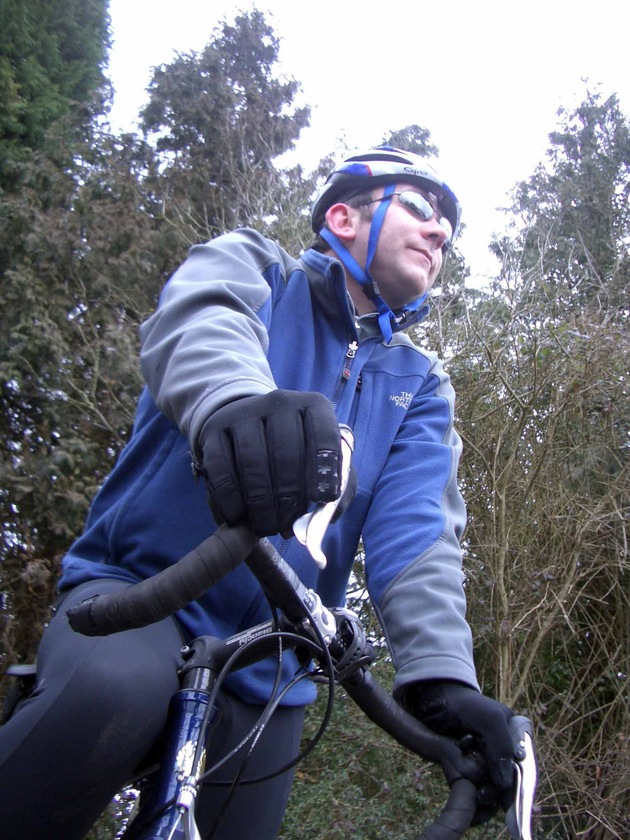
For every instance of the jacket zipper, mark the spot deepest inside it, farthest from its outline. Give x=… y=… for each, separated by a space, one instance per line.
x=351 y=352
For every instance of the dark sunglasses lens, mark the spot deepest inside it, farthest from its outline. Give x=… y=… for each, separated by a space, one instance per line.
x=419 y=206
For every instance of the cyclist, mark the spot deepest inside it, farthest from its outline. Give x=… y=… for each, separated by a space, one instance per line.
x=251 y=360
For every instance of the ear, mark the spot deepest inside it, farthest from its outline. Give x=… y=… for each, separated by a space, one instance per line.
x=342 y=221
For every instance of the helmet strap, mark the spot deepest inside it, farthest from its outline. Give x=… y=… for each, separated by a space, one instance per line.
x=385 y=315
x=375 y=230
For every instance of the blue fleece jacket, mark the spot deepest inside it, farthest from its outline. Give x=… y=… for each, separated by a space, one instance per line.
x=241 y=317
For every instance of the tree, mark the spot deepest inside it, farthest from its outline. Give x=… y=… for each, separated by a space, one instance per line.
x=52 y=57
x=412 y=138
x=52 y=86
x=220 y=119
x=573 y=214
x=540 y=364
x=87 y=259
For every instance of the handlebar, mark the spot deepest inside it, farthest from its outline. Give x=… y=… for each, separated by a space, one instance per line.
x=173 y=588
x=457 y=814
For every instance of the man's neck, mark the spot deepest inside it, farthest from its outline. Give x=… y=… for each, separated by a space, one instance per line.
x=362 y=304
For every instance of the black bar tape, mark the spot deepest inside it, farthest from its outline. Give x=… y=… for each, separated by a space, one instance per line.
x=280 y=583
x=457 y=814
x=389 y=715
x=459 y=769
x=170 y=590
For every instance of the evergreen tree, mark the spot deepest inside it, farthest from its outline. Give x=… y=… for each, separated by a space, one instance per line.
x=573 y=214
x=412 y=138
x=51 y=86
x=86 y=262
x=220 y=119
x=52 y=57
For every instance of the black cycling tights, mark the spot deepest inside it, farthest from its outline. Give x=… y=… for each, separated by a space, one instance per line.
x=99 y=706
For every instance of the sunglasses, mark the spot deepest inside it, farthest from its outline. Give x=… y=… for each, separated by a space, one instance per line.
x=420 y=207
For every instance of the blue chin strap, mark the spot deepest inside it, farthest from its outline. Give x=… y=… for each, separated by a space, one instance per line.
x=386 y=318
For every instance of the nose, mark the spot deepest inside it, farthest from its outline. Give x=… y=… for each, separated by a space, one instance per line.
x=433 y=230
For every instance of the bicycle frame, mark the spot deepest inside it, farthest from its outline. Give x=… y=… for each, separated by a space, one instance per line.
x=169 y=810
x=168 y=813
x=335 y=638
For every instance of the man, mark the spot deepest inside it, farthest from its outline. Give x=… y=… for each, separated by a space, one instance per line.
x=251 y=361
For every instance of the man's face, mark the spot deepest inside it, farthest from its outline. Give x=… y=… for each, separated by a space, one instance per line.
x=409 y=251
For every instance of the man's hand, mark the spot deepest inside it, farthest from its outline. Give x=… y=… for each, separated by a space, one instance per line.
x=266 y=458
x=479 y=723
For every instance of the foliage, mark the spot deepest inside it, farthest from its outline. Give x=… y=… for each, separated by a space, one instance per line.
x=547 y=563
x=573 y=213
x=51 y=80
x=219 y=119
x=51 y=65
x=86 y=264
x=92 y=224
x=412 y=138
x=540 y=363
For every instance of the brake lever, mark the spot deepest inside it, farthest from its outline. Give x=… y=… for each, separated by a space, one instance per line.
x=518 y=818
x=311 y=528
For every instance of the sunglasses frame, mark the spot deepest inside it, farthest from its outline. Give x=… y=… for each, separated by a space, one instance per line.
x=421 y=208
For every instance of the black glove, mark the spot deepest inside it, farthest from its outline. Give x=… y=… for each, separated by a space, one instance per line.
x=266 y=458
x=479 y=723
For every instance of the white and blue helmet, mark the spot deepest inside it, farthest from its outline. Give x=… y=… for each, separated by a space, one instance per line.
x=363 y=171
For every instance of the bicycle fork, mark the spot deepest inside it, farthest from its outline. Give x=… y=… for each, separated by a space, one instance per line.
x=171 y=804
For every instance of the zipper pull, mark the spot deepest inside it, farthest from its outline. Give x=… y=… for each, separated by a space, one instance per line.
x=351 y=352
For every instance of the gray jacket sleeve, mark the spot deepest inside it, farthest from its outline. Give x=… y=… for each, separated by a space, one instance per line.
x=206 y=344
x=412 y=542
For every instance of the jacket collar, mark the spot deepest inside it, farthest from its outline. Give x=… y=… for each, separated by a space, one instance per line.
x=328 y=280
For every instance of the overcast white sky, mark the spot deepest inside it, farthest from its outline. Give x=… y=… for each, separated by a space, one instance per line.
x=486 y=77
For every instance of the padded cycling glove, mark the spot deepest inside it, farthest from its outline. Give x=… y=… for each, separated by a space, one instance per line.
x=266 y=458
x=461 y=712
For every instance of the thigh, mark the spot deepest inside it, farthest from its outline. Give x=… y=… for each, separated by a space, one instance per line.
x=254 y=812
x=99 y=705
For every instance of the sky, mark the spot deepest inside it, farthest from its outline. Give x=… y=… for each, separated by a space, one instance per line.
x=486 y=77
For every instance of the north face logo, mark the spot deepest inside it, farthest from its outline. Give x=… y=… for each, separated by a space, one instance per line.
x=402 y=400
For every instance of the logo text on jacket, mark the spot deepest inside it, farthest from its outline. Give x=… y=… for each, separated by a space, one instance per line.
x=402 y=400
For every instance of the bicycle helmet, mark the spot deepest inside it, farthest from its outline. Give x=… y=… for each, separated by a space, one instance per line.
x=375 y=167
x=381 y=166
